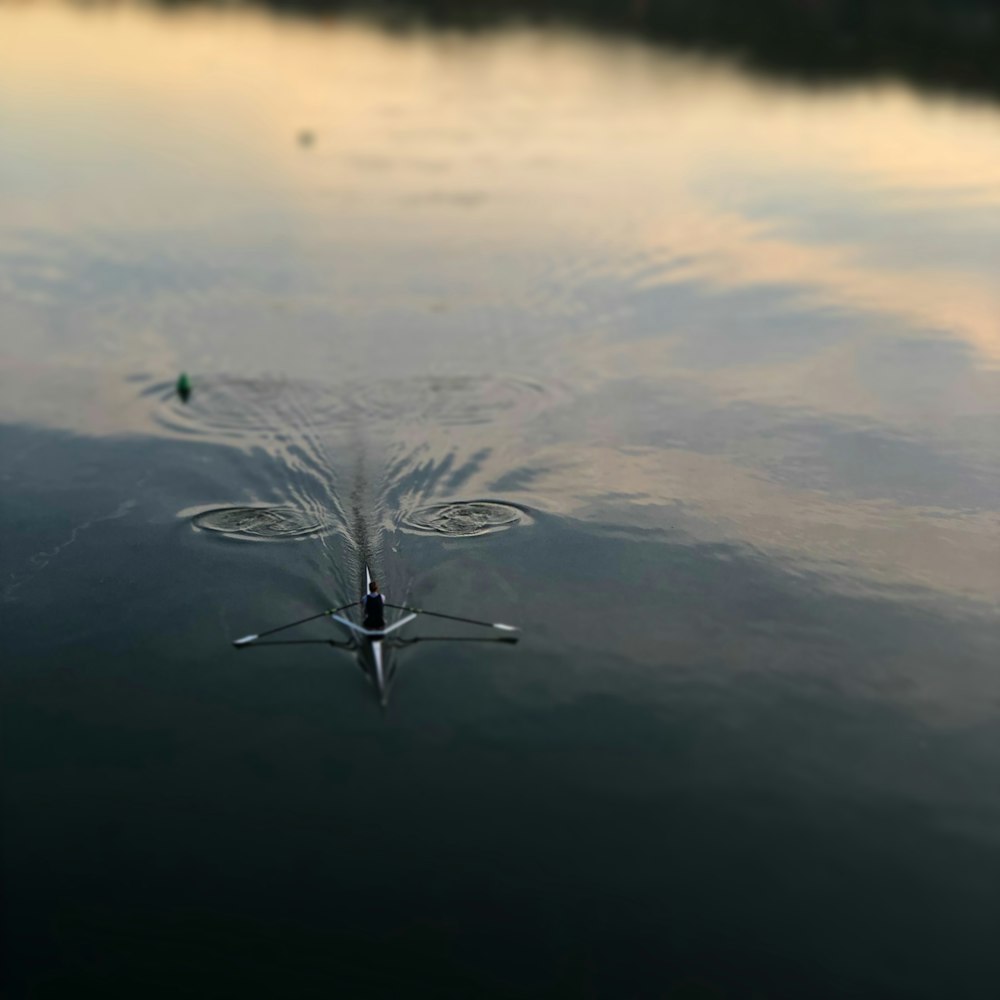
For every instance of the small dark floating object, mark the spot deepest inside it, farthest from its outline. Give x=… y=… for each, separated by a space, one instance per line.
x=306 y=137
x=184 y=387
x=464 y=519
x=259 y=523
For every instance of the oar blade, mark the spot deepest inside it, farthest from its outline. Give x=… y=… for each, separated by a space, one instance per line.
x=506 y=628
x=281 y=628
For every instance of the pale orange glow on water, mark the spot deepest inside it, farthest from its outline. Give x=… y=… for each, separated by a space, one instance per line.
x=516 y=170
x=207 y=104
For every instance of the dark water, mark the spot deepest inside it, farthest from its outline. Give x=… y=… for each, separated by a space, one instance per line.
x=691 y=374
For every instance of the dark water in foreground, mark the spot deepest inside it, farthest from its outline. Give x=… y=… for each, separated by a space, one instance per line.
x=692 y=376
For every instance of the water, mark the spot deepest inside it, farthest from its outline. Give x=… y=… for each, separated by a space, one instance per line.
x=691 y=373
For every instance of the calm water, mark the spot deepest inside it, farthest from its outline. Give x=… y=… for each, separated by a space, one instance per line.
x=725 y=354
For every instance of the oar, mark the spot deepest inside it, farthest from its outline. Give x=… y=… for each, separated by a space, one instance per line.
x=259 y=635
x=455 y=618
x=303 y=642
x=510 y=639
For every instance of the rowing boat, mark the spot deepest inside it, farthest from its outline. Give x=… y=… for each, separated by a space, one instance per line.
x=372 y=650
x=374 y=646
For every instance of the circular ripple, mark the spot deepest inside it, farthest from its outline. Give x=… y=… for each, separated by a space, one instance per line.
x=267 y=524
x=463 y=519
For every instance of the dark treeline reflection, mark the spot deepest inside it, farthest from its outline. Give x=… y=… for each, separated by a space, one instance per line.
x=949 y=43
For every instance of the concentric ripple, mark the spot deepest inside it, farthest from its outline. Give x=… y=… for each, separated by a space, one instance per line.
x=463 y=519
x=260 y=524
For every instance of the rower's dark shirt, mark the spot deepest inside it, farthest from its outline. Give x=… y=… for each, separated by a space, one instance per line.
x=374 y=611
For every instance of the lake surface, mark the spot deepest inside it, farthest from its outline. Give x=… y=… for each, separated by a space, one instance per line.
x=694 y=374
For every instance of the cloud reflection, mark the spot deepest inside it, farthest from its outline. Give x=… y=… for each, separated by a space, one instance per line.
x=529 y=201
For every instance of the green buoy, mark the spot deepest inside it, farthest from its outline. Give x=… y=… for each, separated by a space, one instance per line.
x=184 y=387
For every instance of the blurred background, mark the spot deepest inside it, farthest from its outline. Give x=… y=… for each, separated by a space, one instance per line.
x=669 y=331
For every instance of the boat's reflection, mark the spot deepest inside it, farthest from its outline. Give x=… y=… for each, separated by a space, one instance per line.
x=376 y=655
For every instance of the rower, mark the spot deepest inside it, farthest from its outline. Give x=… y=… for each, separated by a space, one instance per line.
x=374 y=608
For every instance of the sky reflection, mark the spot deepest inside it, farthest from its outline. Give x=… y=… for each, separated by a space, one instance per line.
x=771 y=309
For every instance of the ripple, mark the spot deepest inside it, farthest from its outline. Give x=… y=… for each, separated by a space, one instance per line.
x=259 y=524
x=464 y=519
x=253 y=411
